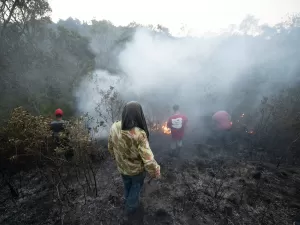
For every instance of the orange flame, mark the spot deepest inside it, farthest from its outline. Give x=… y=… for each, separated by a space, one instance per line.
x=165 y=129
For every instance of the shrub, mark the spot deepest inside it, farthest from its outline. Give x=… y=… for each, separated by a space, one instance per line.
x=276 y=125
x=26 y=138
x=26 y=143
x=24 y=135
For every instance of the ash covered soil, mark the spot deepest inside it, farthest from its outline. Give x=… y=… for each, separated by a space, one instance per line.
x=205 y=185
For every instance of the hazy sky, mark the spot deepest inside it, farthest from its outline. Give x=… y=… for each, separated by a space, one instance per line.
x=198 y=15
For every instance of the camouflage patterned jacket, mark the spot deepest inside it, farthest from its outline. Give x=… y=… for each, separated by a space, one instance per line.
x=131 y=151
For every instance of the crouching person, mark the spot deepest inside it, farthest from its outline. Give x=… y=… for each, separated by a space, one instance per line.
x=129 y=146
x=222 y=127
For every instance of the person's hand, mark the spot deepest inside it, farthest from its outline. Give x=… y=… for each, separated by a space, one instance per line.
x=157 y=174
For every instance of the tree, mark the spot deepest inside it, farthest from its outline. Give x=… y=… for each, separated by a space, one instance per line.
x=38 y=57
x=110 y=106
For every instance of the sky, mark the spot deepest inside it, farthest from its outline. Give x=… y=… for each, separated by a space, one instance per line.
x=198 y=16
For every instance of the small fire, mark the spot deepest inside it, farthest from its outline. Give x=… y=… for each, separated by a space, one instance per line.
x=243 y=115
x=250 y=131
x=165 y=129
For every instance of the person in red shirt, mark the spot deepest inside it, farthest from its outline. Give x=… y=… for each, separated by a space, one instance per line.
x=177 y=124
x=222 y=126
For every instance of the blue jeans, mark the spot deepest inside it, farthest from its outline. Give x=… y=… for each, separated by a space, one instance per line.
x=133 y=186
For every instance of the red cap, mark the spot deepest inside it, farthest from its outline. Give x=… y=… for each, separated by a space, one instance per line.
x=59 y=112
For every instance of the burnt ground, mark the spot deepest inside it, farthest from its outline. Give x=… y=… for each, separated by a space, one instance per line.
x=205 y=185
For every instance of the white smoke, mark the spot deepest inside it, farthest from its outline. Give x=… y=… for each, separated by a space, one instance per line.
x=198 y=74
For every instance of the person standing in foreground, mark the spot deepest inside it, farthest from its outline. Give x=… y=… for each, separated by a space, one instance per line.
x=222 y=126
x=129 y=146
x=177 y=124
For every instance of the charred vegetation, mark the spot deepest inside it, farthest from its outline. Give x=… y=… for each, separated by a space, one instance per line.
x=246 y=182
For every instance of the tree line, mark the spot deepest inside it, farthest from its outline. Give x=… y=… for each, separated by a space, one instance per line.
x=42 y=62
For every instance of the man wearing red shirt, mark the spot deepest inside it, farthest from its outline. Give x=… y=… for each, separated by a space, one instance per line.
x=177 y=123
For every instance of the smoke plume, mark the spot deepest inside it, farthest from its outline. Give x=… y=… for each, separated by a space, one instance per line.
x=201 y=75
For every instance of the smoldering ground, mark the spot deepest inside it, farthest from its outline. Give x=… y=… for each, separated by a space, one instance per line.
x=203 y=187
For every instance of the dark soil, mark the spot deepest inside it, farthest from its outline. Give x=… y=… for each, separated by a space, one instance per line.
x=205 y=185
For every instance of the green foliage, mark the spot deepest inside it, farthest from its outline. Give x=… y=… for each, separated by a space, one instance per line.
x=27 y=143
x=42 y=63
x=26 y=138
x=24 y=135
